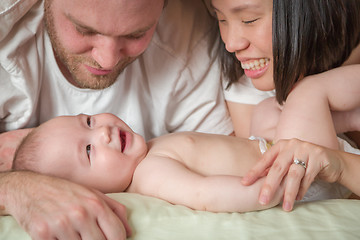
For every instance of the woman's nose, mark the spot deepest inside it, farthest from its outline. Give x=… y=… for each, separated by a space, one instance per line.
x=235 y=40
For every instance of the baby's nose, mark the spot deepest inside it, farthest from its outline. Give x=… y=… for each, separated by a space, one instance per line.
x=105 y=134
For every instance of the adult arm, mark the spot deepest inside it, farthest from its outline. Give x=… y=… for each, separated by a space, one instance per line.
x=306 y=116
x=8 y=144
x=51 y=208
x=241 y=117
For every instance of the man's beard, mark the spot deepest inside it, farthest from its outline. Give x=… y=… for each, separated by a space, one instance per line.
x=73 y=64
x=82 y=77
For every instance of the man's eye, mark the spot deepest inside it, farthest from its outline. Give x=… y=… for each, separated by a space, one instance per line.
x=135 y=37
x=84 y=32
x=88 y=150
x=88 y=121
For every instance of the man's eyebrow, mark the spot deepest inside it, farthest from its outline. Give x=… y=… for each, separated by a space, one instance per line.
x=141 y=30
x=92 y=30
x=79 y=24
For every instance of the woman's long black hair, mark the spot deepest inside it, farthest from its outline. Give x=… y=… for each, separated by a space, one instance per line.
x=309 y=37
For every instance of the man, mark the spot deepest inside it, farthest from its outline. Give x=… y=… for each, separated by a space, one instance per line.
x=149 y=62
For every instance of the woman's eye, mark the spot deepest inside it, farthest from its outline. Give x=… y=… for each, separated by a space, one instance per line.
x=88 y=121
x=88 y=150
x=250 y=21
x=220 y=19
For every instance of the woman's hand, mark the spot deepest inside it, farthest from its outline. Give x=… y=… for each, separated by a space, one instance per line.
x=278 y=163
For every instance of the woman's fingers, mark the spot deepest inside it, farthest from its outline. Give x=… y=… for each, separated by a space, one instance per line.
x=293 y=164
x=261 y=168
x=293 y=183
x=312 y=170
x=277 y=172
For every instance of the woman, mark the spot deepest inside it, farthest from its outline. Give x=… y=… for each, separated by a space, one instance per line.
x=278 y=43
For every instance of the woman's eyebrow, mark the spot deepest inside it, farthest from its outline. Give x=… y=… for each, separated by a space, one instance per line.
x=241 y=7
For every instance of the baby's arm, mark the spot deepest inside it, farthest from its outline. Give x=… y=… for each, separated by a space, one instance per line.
x=306 y=113
x=170 y=180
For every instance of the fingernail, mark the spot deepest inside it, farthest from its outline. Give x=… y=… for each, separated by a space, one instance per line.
x=264 y=199
x=287 y=206
x=298 y=197
x=245 y=180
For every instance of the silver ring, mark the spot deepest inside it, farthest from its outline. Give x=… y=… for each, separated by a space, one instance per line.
x=299 y=162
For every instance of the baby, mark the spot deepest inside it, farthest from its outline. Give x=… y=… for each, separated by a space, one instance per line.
x=200 y=171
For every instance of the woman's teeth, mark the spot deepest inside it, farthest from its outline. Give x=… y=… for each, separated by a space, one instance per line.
x=255 y=64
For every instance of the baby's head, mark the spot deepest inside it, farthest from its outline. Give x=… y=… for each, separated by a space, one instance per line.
x=98 y=151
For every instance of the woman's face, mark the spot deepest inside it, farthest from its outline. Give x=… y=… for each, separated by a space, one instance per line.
x=246 y=29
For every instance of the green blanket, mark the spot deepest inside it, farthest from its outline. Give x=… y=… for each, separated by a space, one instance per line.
x=151 y=218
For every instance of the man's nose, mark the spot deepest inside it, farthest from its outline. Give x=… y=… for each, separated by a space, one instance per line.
x=107 y=52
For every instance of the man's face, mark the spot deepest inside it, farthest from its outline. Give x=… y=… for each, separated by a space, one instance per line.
x=94 y=40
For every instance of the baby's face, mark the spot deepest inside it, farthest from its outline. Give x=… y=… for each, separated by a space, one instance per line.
x=98 y=151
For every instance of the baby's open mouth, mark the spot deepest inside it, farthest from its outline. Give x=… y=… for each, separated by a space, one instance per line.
x=123 y=140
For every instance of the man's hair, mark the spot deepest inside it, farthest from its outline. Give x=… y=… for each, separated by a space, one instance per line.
x=308 y=37
x=27 y=152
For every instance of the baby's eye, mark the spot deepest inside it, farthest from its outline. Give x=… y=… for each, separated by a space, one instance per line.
x=88 y=151
x=88 y=121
